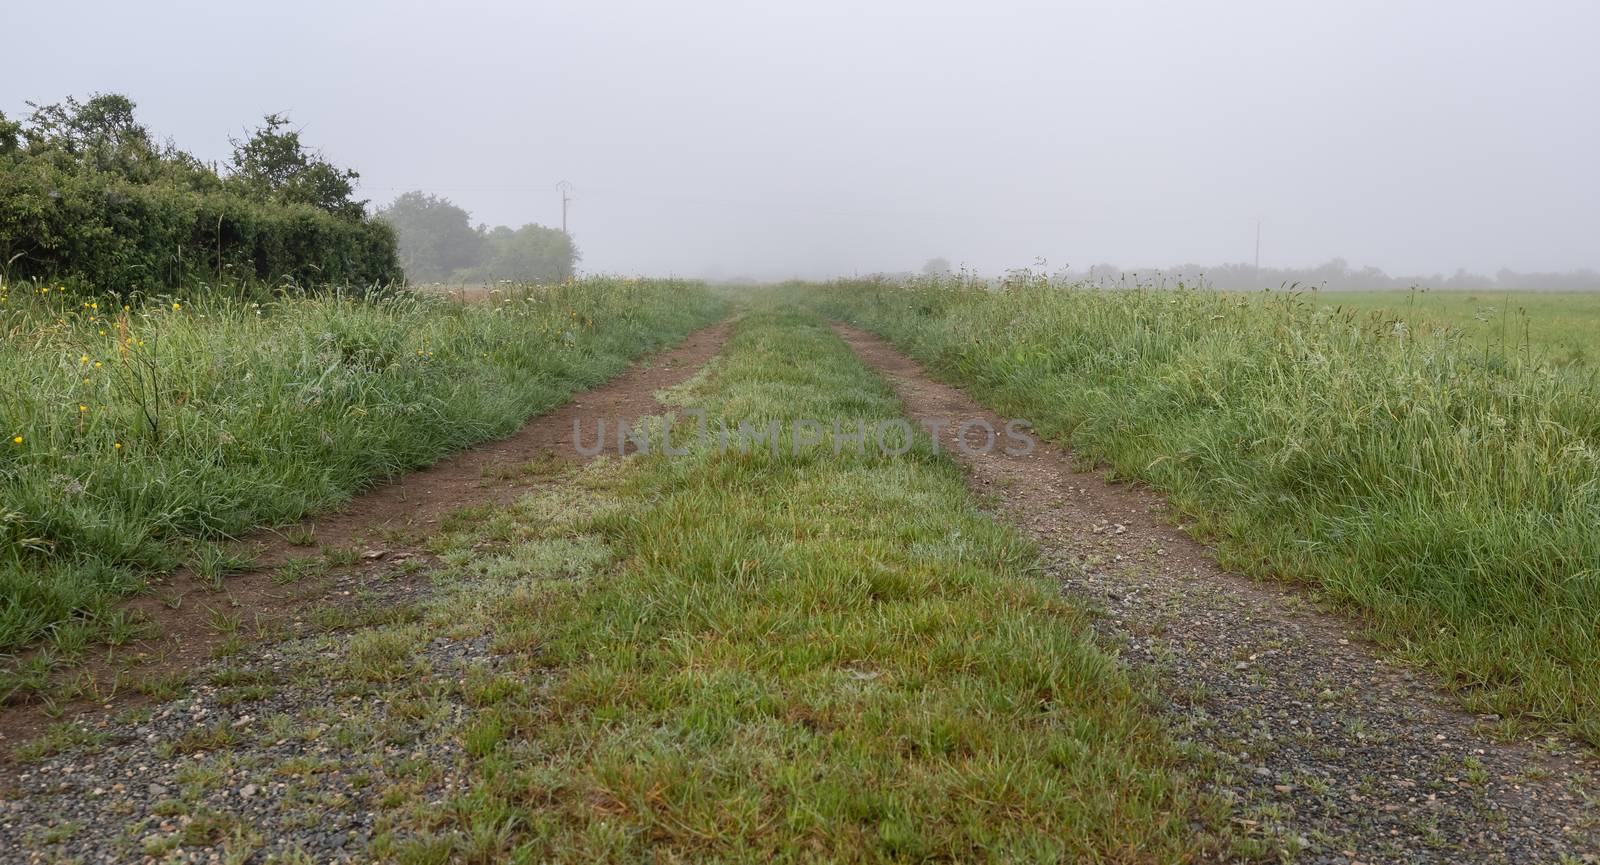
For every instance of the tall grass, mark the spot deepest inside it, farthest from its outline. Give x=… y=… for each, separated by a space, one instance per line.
x=130 y=431
x=1452 y=494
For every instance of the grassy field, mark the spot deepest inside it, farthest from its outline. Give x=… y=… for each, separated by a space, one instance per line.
x=1450 y=496
x=133 y=436
x=1563 y=329
x=777 y=657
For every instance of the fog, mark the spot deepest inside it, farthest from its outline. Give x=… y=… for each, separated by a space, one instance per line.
x=825 y=138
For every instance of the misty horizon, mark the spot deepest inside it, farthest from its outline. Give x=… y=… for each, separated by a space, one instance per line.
x=829 y=139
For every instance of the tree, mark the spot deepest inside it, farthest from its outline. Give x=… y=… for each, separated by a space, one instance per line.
x=99 y=134
x=273 y=165
x=10 y=135
x=436 y=237
x=438 y=243
x=530 y=253
x=104 y=121
x=936 y=267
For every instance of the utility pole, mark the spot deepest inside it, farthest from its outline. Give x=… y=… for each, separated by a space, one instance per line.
x=566 y=197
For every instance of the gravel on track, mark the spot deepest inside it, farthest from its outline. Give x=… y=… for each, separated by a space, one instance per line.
x=1324 y=748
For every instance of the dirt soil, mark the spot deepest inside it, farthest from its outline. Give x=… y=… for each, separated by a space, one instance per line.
x=379 y=529
x=1322 y=745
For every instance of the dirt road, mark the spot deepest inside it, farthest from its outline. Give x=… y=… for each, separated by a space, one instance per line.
x=378 y=528
x=1316 y=740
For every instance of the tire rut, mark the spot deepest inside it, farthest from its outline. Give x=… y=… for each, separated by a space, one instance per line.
x=380 y=523
x=1321 y=746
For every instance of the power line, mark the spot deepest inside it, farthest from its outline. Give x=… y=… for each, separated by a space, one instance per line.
x=566 y=189
x=494 y=187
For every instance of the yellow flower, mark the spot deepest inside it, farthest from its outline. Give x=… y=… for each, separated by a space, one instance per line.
x=118 y=446
x=82 y=407
x=84 y=359
x=97 y=363
x=17 y=440
x=177 y=306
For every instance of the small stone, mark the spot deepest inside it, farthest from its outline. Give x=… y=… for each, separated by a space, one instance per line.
x=248 y=790
x=157 y=791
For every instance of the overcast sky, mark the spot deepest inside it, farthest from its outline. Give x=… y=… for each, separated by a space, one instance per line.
x=825 y=137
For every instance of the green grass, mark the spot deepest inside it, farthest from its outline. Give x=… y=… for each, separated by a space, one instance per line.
x=1451 y=494
x=1559 y=328
x=127 y=434
x=784 y=658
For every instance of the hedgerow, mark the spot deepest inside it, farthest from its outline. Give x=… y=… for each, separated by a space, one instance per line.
x=89 y=200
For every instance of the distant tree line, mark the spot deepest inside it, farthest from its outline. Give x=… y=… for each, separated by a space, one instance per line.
x=439 y=244
x=1334 y=275
x=88 y=197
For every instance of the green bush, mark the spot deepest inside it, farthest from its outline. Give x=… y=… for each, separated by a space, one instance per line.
x=91 y=230
x=87 y=200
